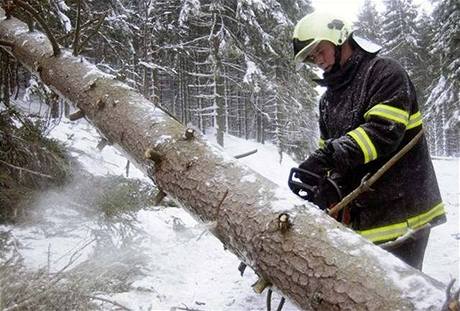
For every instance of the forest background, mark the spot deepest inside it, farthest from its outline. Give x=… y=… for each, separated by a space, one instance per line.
x=228 y=64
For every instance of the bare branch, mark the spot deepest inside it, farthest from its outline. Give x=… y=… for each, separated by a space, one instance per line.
x=26 y=170
x=239 y=156
x=96 y=30
x=77 y=29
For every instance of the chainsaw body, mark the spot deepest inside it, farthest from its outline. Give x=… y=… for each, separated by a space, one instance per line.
x=324 y=191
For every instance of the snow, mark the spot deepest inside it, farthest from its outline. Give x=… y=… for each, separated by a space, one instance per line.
x=252 y=71
x=65 y=21
x=183 y=264
x=189 y=7
x=443 y=251
x=109 y=161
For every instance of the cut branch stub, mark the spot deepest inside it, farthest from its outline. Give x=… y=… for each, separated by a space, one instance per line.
x=100 y=104
x=283 y=222
x=153 y=155
x=261 y=284
x=189 y=133
x=38 y=68
x=92 y=85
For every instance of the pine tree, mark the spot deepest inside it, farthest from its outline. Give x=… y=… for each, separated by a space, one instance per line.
x=447 y=38
x=444 y=100
x=424 y=60
x=369 y=22
x=211 y=63
x=399 y=32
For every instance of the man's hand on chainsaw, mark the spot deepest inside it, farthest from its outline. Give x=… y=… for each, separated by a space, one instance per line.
x=319 y=183
x=330 y=190
x=319 y=162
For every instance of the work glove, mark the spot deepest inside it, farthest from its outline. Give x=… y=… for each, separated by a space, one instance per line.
x=330 y=190
x=324 y=191
x=322 y=184
x=319 y=162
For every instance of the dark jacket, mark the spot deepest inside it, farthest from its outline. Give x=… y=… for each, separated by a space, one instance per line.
x=367 y=114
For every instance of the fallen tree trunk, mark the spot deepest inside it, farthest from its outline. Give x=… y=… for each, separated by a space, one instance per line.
x=315 y=261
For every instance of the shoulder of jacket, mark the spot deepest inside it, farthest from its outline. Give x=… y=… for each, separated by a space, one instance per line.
x=387 y=65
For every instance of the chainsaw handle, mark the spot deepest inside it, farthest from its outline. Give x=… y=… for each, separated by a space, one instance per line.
x=297 y=186
x=314 y=190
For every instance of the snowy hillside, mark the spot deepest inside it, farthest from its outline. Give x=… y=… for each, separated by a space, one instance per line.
x=179 y=264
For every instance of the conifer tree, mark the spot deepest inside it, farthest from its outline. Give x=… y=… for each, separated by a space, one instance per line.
x=399 y=32
x=424 y=62
x=443 y=104
x=204 y=61
x=369 y=22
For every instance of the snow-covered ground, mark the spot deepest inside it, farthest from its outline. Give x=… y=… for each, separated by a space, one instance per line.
x=182 y=265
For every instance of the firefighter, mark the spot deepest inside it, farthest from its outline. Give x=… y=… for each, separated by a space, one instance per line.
x=369 y=112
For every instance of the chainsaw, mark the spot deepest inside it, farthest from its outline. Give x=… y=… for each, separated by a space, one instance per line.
x=323 y=191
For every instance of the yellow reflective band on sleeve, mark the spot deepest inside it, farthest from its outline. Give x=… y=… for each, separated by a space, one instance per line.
x=389 y=113
x=414 y=120
x=391 y=232
x=321 y=143
x=365 y=143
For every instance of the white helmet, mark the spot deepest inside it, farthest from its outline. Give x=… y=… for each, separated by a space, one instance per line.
x=318 y=26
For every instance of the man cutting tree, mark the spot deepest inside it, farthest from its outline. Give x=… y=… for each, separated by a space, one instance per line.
x=368 y=113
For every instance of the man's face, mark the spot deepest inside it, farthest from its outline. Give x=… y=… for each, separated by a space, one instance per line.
x=323 y=55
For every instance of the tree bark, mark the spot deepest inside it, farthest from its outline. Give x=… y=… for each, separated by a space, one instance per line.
x=318 y=263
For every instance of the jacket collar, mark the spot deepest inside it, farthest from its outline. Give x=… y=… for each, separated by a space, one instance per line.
x=346 y=73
